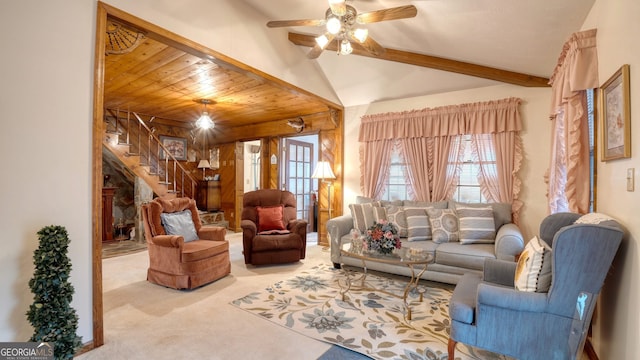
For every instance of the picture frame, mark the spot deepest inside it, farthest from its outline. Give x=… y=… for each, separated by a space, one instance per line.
x=615 y=116
x=176 y=146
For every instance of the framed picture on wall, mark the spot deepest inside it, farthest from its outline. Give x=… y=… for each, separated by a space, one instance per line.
x=615 y=113
x=176 y=146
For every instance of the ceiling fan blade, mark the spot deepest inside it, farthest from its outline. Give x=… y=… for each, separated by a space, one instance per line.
x=401 y=12
x=315 y=52
x=285 y=23
x=372 y=46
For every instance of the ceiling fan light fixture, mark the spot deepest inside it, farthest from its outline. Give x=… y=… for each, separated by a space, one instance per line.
x=322 y=41
x=338 y=7
x=361 y=34
x=345 y=47
x=334 y=25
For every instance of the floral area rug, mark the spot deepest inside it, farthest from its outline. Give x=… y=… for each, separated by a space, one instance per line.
x=372 y=323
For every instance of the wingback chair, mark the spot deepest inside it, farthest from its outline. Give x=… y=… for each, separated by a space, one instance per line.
x=271 y=233
x=488 y=312
x=183 y=254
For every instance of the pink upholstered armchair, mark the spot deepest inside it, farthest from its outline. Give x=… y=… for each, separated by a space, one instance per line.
x=271 y=233
x=182 y=253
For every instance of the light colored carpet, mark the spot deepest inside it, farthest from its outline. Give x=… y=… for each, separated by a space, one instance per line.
x=147 y=321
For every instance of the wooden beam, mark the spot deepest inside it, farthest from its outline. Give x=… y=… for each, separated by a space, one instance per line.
x=434 y=62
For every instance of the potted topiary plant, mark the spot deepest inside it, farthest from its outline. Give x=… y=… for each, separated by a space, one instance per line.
x=51 y=315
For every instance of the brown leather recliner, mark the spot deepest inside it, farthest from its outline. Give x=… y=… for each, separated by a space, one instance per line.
x=269 y=244
x=172 y=261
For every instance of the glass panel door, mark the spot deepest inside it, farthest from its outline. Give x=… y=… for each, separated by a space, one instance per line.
x=298 y=163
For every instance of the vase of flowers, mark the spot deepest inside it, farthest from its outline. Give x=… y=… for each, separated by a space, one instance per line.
x=382 y=237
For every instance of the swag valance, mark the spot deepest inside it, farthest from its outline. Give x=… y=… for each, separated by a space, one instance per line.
x=476 y=118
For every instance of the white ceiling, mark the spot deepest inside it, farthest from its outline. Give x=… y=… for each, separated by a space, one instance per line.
x=524 y=36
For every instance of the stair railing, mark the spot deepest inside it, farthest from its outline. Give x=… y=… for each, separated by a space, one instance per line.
x=175 y=175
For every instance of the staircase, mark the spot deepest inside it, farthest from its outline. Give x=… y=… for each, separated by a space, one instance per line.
x=129 y=138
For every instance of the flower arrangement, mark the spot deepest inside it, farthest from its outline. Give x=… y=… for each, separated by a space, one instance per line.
x=382 y=237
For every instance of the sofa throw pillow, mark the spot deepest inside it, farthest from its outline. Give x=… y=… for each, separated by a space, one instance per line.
x=395 y=214
x=179 y=223
x=270 y=218
x=477 y=225
x=363 y=215
x=419 y=228
x=444 y=225
x=501 y=211
x=533 y=272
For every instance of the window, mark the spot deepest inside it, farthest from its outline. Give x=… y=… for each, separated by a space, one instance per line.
x=396 y=187
x=468 y=188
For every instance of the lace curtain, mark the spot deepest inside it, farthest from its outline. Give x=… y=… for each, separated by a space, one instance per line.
x=568 y=174
x=431 y=143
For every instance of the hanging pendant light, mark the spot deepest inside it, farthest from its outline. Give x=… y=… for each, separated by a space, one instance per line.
x=204 y=121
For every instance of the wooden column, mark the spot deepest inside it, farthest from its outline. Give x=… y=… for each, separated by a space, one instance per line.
x=107 y=213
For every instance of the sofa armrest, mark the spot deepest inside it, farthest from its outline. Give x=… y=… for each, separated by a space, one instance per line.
x=249 y=228
x=212 y=233
x=337 y=228
x=509 y=242
x=500 y=272
x=174 y=241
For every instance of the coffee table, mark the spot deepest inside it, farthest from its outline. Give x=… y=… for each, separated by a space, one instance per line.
x=402 y=257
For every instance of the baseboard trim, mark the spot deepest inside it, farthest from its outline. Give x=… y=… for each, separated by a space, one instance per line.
x=85 y=348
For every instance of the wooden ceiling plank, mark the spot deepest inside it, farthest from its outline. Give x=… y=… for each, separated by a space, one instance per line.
x=434 y=62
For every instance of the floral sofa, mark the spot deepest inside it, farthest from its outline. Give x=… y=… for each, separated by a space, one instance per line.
x=459 y=236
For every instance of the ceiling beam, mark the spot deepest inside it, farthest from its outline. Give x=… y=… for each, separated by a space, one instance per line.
x=434 y=62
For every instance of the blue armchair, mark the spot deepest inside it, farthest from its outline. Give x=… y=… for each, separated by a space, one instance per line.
x=487 y=312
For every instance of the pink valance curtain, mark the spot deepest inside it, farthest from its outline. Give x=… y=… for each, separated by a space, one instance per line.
x=475 y=118
x=568 y=174
x=431 y=143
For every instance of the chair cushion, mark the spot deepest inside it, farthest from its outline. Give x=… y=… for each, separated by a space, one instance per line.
x=270 y=218
x=203 y=249
x=179 y=223
x=444 y=225
x=533 y=272
x=476 y=225
x=276 y=242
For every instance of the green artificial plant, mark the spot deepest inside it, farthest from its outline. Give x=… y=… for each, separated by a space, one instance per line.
x=51 y=315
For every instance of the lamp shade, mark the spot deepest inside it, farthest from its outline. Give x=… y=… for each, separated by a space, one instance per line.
x=323 y=171
x=204 y=164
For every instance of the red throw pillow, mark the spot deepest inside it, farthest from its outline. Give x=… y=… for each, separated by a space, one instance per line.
x=270 y=218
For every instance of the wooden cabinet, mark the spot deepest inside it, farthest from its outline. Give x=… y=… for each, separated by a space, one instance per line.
x=208 y=198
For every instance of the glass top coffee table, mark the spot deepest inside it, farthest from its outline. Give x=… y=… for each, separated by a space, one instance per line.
x=413 y=260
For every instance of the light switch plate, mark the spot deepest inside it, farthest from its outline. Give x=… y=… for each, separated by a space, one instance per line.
x=630 y=179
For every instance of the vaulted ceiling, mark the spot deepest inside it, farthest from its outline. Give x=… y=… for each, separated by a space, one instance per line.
x=479 y=42
x=525 y=37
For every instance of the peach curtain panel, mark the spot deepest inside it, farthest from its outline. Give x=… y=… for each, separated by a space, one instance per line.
x=375 y=159
x=431 y=143
x=568 y=174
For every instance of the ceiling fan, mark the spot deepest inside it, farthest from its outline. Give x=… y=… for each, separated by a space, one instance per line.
x=344 y=25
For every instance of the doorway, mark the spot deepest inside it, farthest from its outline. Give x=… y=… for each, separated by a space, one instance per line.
x=300 y=157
